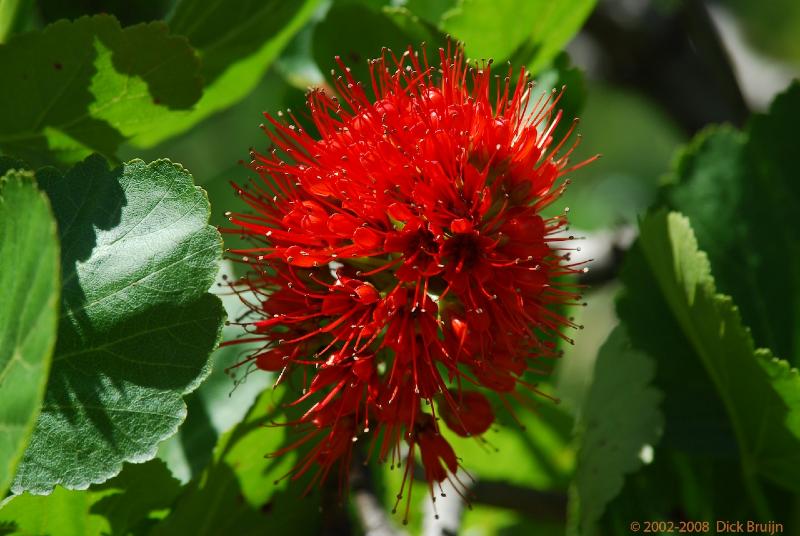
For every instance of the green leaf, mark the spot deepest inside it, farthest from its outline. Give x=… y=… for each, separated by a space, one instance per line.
x=7 y=164
x=620 y=417
x=221 y=402
x=757 y=391
x=28 y=312
x=130 y=499
x=295 y=65
x=137 y=325
x=83 y=86
x=497 y=28
x=237 y=42
x=121 y=506
x=357 y=33
x=9 y=15
x=696 y=422
x=740 y=189
x=237 y=493
x=62 y=513
x=538 y=455
x=677 y=485
x=126 y=11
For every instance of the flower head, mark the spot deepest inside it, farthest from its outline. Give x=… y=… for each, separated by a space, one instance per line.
x=399 y=256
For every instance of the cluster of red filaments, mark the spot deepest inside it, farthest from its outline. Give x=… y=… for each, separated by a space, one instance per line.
x=400 y=258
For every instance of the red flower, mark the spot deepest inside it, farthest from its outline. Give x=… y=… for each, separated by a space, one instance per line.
x=400 y=254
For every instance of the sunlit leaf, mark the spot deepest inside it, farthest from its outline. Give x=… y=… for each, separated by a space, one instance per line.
x=120 y=506
x=29 y=293
x=496 y=29
x=84 y=86
x=237 y=42
x=136 y=326
x=238 y=493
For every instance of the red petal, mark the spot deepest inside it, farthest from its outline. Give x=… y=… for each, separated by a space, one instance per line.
x=272 y=360
x=471 y=416
x=367 y=239
x=400 y=212
x=367 y=294
x=341 y=225
x=461 y=225
x=335 y=304
x=363 y=368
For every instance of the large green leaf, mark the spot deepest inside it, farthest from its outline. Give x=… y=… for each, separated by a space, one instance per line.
x=120 y=506
x=759 y=393
x=497 y=28
x=84 y=86
x=740 y=191
x=237 y=42
x=620 y=417
x=28 y=312
x=237 y=493
x=137 y=325
x=695 y=420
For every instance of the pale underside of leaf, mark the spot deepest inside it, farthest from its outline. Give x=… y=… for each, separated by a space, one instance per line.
x=621 y=416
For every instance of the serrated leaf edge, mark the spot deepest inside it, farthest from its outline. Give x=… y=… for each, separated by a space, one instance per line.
x=201 y=377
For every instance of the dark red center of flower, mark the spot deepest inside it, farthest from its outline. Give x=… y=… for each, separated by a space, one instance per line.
x=463 y=252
